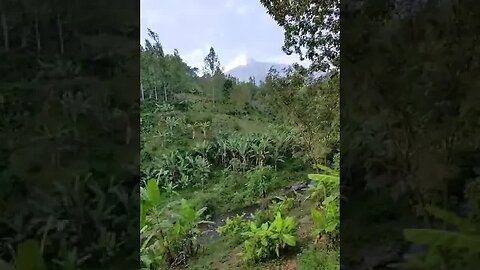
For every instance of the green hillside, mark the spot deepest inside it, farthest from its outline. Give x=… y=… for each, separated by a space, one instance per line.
x=237 y=175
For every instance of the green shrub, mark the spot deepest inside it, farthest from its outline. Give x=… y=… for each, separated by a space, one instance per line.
x=168 y=231
x=326 y=196
x=262 y=216
x=269 y=238
x=318 y=259
x=449 y=249
x=283 y=205
x=259 y=180
x=233 y=228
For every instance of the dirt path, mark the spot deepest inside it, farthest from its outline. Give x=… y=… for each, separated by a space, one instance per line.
x=209 y=231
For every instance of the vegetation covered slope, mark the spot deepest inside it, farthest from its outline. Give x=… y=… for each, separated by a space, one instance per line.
x=225 y=166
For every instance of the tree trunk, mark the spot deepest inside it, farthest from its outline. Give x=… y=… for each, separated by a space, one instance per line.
x=60 y=34
x=37 y=33
x=5 y=32
x=156 y=95
x=143 y=92
x=165 y=93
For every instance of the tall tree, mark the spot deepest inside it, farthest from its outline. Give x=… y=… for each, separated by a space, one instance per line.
x=212 y=68
x=312 y=29
x=212 y=64
x=156 y=47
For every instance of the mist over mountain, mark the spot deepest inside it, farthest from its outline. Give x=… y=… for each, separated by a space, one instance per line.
x=254 y=68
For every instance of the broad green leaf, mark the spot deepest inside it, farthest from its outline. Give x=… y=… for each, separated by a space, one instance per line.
x=289 y=239
x=327 y=170
x=330 y=199
x=153 y=192
x=324 y=178
x=316 y=216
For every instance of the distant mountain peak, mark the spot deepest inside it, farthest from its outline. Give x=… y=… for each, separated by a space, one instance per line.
x=250 y=61
x=247 y=67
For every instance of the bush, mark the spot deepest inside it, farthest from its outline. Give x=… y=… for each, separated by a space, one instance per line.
x=268 y=239
x=318 y=259
x=259 y=180
x=233 y=228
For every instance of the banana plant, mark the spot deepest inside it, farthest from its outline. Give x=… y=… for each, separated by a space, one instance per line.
x=223 y=149
x=243 y=148
x=260 y=151
x=171 y=123
x=192 y=127
x=326 y=219
x=277 y=153
x=202 y=166
x=326 y=186
x=203 y=148
x=204 y=126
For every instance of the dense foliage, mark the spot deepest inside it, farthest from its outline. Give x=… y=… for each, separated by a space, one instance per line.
x=68 y=154
x=237 y=147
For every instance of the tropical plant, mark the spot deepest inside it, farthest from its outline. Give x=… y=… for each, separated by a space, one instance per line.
x=192 y=127
x=268 y=239
x=233 y=228
x=259 y=150
x=325 y=185
x=202 y=168
x=259 y=180
x=282 y=205
x=243 y=148
x=455 y=249
x=325 y=194
x=168 y=231
x=204 y=126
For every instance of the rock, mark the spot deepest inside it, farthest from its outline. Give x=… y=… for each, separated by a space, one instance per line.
x=298 y=186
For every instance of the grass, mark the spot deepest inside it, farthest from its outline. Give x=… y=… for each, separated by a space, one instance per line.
x=312 y=258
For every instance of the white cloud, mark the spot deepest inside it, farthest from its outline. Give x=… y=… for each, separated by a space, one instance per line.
x=239 y=60
x=287 y=59
x=195 y=58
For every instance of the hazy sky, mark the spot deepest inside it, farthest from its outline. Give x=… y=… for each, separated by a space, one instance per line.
x=237 y=29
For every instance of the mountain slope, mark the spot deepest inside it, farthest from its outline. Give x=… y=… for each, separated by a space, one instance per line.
x=254 y=68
